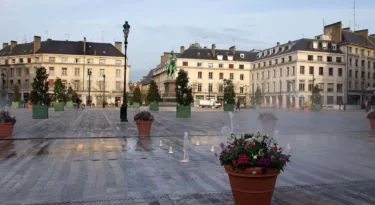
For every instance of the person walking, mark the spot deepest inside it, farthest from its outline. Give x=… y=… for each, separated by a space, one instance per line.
x=340 y=105
x=366 y=104
x=238 y=105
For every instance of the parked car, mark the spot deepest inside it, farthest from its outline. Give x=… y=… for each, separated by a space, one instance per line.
x=209 y=103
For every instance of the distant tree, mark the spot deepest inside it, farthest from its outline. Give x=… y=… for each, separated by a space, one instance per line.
x=184 y=94
x=229 y=93
x=137 y=95
x=258 y=96
x=16 y=95
x=153 y=93
x=60 y=91
x=69 y=94
x=316 y=96
x=39 y=93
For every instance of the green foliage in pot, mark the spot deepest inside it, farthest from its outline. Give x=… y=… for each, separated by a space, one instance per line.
x=183 y=91
x=16 y=95
x=137 y=95
x=153 y=95
x=60 y=91
x=229 y=93
x=39 y=93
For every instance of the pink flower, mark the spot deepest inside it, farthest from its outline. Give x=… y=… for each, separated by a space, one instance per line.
x=243 y=159
x=273 y=157
x=252 y=143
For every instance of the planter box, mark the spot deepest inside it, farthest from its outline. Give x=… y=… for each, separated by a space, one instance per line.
x=316 y=107
x=40 y=111
x=59 y=106
x=144 y=127
x=252 y=185
x=183 y=111
x=6 y=129
x=228 y=107
x=69 y=104
x=29 y=106
x=136 y=105
x=154 y=107
x=15 y=104
x=257 y=107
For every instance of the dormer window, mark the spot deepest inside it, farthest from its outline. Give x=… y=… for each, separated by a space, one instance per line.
x=230 y=57
x=220 y=57
x=289 y=47
x=242 y=55
x=280 y=49
x=315 y=45
x=198 y=53
x=325 y=45
x=265 y=53
x=334 y=47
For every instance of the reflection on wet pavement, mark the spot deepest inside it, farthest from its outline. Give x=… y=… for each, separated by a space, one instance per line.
x=73 y=170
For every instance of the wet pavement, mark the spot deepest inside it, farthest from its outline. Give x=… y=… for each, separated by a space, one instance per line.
x=332 y=163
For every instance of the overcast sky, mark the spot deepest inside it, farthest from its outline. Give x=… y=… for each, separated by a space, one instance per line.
x=162 y=25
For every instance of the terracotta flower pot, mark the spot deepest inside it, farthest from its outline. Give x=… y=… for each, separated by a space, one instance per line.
x=6 y=129
x=144 y=127
x=29 y=106
x=251 y=186
x=372 y=123
x=269 y=126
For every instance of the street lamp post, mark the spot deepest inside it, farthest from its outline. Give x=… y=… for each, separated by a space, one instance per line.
x=289 y=100
x=89 y=101
x=124 y=107
x=3 y=90
x=104 y=91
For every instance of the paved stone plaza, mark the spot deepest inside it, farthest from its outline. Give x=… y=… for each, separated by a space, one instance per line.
x=332 y=159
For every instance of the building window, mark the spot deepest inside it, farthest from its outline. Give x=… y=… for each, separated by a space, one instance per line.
x=200 y=75
x=340 y=72
x=369 y=65
x=51 y=71
x=101 y=61
x=51 y=59
x=21 y=60
x=320 y=70
x=252 y=76
x=231 y=66
x=276 y=61
x=101 y=72
x=310 y=85
x=76 y=71
x=19 y=71
x=373 y=65
x=274 y=87
x=330 y=71
x=330 y=87
x=64 y=60
x=350 y=49
x=210 y=87
x=118 y=85
x=302 y=85
x=350 y=84
x=363 y=64
x=356 y=51
x=287 y=71
x=76 y=85
x=257 y=76
x=118 y=73
x=64 y=71
x=28 y=60
x=368 y=75
x=311 y=70
x=268 y=74
x=210 y=65
x=290 y=58
x=199 y=64
x=356 y=74
x=350 y=61
x=76 y=60
x=302 y=70
x=36 y=60
x=338 y=59
x=373 y=76
x=27 y=71
x=231 y=76
x=221 y=88
x=329 y=58
x=118 y=62
x=264 y=64
x=310 y=57
x=356 y=63
x=362 y=74
x=185 y=63
x=210 y=75
x=221 y=76
x=90 y=61
x=281 y=72
x=282 y=60
x=27 y=84
x=241 y=89
x=320 y=58
x=241 y=76
x=274 y=73
x=199 y=87
x=242 y=66
x=270 y=63
x=220 y=65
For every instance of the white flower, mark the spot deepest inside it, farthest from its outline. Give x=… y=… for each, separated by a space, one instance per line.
x=255 y=157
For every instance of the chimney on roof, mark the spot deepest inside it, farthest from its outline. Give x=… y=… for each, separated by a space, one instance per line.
x=182 y=49
x=213 y=50
x=84 y=45
x=118 y=45
x=278 y=44
x=37 y=43
x=13 y=44
x=335 y=31
x=363 y=32
x=346 y=29
x=161 y=59
x=5 y=45
x=233 y=49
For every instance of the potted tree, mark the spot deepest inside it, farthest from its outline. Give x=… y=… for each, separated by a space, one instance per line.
x=7 y=123
x=229 y=96
x=153 y=96
x=60 y=94
x=268 y=120
x=136 y=97
x=39 y=96
x=258 y=98
x=184 y=96
x=69 y=97
x=252 y=162
x=16 y=97
x=144 y=122
x=316 y=99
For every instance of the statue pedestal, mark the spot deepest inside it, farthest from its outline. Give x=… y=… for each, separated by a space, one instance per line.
x=169 y=96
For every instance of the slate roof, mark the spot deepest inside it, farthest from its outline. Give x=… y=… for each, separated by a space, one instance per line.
x=206 y=53
x=303 y=44
x=63 y=47
x=353 y=38
x=148 y=78
x=372 y=39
